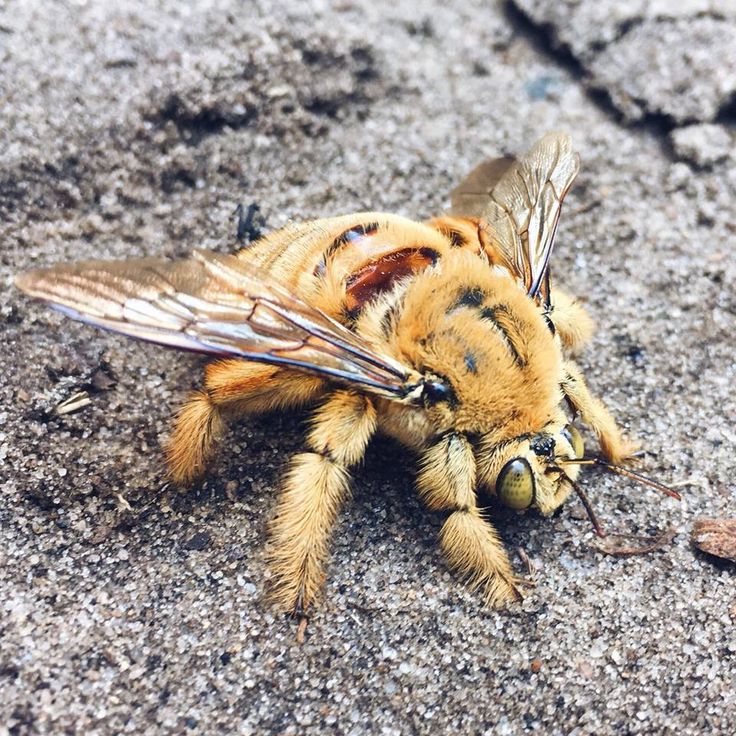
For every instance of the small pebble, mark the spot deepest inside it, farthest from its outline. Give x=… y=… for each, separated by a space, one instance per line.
x=198 y=541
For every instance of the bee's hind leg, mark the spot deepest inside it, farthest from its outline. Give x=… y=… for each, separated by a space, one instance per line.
x=446 y=481
x=232 y=388
x=313 y=492
x=198 y=426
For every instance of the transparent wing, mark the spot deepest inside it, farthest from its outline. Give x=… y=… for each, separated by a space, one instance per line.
x=216 y=304
x=470 y=197
x=520 y=218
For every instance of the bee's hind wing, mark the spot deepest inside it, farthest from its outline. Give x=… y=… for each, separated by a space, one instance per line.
x=470 y=197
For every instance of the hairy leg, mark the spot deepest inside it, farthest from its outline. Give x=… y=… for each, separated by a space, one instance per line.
x=232 y=388
x=447 y=480
x=614 y=445
x=314 y=490
x=571 y=321
x=243 y=387
x=198 y=426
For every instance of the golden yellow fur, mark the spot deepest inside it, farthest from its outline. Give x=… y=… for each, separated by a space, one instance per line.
x=439 y=333
x=197 y=428
x=447 y=482
x=313 y=492
x=450 y=340
x=572 y=322
x=473 y=548
x=465 y=321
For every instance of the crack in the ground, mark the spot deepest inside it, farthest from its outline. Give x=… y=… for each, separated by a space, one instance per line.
x=659 y=124
x=543 y=38
x=625 y=27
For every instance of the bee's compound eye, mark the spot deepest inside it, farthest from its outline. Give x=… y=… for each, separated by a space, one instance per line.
x=435 y=391
x=515 y=484
x=571 y=434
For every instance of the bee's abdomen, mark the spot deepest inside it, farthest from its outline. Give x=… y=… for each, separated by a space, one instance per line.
x=347 y=238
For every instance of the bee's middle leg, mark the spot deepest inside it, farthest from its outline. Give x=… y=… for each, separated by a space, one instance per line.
x=447 y=481
x=314 y=490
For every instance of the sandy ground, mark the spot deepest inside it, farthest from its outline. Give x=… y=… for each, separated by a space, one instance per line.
x=131 y=129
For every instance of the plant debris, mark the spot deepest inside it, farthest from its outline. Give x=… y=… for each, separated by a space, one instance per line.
x=716 y=537
x=73 y=403
x=613 y=543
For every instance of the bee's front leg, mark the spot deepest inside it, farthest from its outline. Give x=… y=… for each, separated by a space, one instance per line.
x=446 y=481
x=593 y=412
x=314 y=490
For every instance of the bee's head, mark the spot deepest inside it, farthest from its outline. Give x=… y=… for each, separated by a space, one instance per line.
x=527 y=471
x=488 y=359
x=540 y=471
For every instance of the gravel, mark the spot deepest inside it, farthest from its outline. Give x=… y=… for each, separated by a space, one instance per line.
x=136 y=128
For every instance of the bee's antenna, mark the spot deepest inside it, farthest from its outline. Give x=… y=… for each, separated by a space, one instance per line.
x=620 y=471
x=583 y=496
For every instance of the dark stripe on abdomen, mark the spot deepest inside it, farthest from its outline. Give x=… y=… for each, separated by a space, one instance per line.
x=348 y=236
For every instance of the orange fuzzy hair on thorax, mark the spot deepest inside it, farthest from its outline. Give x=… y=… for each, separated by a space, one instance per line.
x=477 y=329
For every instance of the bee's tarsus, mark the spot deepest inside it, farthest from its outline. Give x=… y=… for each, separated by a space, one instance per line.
x=301 y=628
x=527 y=563
x=250 y=223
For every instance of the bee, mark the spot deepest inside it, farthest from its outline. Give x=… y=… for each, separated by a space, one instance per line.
x=444 y=335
